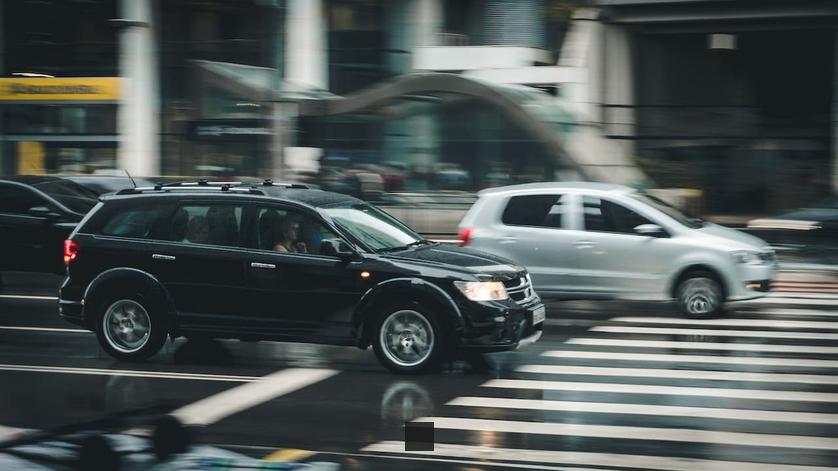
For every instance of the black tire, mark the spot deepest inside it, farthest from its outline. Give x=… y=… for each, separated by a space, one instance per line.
x=416 y=319
x=699 y=295
x=137 y=311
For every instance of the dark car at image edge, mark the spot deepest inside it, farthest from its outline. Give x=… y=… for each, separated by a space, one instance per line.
x=210 y=260
x=36 y=214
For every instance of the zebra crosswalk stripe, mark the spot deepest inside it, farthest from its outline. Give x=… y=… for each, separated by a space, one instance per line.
x=713 y=359
x=576 y=458
x=646 y=409
x=754 y=394
x=765 y=334
x=635 y=433
x=680 y=374
x=741 y=347
x=731 y=322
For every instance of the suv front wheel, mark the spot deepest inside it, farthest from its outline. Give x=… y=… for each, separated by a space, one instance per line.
x=699 y=295
x=128 y=330
x=408 y=339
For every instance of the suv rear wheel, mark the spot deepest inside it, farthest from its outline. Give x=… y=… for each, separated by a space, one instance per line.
x=408 y=339
x=127 y=328
x=699 y=295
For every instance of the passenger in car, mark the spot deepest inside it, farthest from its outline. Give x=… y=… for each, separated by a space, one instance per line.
x=197 y=231
x=288 y=237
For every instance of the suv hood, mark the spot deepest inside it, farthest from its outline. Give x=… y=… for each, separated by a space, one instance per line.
x=460 y=258
x=737 y=239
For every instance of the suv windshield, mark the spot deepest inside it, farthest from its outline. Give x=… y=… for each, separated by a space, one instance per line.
x=669 y=210
x=75 y=197
x=373 y=227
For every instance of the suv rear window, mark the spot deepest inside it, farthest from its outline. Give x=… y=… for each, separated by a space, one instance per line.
x=535 y=210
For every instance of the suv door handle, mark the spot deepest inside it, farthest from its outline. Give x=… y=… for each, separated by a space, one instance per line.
x=158 y=256
x=584 y=244
x=262 y=265
x=507 y=240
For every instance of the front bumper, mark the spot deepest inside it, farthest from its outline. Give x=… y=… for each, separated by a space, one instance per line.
x=751 y=281
x=515 y=331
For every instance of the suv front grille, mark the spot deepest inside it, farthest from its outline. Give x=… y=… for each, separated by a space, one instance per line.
x=520 y=289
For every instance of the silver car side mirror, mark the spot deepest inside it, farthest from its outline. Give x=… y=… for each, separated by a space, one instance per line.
x=651 y=230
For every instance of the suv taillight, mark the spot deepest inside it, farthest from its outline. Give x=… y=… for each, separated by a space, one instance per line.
x=465 y=236
x=71 y=251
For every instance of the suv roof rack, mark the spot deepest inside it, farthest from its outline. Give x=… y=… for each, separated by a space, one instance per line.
x=204 y=184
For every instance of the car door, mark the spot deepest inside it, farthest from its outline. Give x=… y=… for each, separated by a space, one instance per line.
x=613 y=259
x=538 y=231
x=32 y=239
x=201 y=263
x=293 y=288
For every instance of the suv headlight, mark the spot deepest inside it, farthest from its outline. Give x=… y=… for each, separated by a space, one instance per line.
x=745 y=257
x=482 y=290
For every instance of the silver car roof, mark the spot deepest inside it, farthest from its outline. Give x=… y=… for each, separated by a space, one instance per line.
x=584 y=186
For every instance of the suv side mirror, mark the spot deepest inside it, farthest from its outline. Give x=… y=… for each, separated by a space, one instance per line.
x=651 y=230
x=43 y=212
x=336 y=248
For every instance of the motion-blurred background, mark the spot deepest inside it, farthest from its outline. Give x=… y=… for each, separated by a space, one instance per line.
x=726 y=108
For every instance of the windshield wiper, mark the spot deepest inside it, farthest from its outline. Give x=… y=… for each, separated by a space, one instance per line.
x=415 y=243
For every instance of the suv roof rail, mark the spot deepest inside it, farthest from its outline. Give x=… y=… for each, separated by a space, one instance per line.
x=203 y=184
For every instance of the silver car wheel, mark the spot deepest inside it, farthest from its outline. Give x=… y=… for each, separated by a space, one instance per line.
x=126 y=326
x=699 y=296
x=406 y=338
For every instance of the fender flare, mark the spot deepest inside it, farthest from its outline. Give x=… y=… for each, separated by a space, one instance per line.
x=384 y=292
x=119 y=277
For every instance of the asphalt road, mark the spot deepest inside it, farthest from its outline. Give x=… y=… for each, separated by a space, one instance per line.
x=610 y=386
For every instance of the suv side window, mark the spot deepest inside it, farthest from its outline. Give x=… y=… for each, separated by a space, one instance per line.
x=18 y=200
x=289 y=231
x=602 y=215
x=536 y=211
x=139 y=223
x=207 y=223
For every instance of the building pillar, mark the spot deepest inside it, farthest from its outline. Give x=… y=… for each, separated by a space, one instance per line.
x=306 y=56
x=618 y=113
x=426 y=22
x=835 y=116
x=139 y=107
x=3 y=165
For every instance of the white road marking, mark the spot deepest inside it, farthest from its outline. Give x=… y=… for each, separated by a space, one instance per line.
x=237 y=399
x=739 y=347
x=27 y=296
x=679 y=374
x=717 y=359
x=821 y=299
x=129 y=373
x=45 y=329
x=635 y=433
x=489 y=456
x=776 y=324
x=644 y=409
x=611 y=388
x=798 y=312
x=774 y=334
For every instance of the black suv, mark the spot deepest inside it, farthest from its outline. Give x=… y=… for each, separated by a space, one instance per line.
x=284 y=262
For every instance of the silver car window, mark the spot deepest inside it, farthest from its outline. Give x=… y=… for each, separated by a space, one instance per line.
x=602 y=215
x=537 y=211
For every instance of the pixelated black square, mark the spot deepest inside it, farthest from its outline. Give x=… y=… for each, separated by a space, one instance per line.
x=418 y=436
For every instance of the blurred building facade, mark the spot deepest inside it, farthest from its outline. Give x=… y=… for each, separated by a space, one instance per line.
x=734 y=98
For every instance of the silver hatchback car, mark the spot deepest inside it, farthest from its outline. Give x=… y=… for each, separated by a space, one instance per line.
x=598 y=241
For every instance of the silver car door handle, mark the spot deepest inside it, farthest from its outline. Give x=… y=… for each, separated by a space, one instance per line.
x=583 y=244
x=507 y=240
x=158 y=256
x=262 y=265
